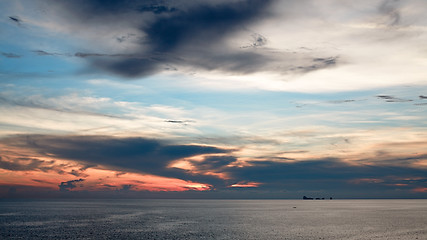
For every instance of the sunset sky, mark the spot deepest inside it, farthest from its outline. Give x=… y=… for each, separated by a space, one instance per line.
x=213 y=98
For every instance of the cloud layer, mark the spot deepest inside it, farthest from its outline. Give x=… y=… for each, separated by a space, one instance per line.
x=169 y=33
x=219 y=168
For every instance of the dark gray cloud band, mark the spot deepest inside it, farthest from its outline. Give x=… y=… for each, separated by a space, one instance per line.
x=187 y=36
x=191 y=36
x=181 y=33
x=154 y=157
x=124 y=154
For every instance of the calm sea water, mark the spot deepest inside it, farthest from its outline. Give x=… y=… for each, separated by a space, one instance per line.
x=214 y=219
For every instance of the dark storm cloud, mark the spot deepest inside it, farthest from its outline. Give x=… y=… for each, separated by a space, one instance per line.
x=127 y=154
x=201 y=24
x=10 y=55
x=66 y=186
x=189 y=37
x=140 y=153
x=183 y=33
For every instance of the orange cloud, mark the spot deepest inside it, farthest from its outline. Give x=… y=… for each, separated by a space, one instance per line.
x=97 y=179
x=420 y=190
x=366 y=180
x=246 y=184
x=26 y=167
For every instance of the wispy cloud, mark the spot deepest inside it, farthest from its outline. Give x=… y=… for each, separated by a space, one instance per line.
x=71 y=103
x=10 y=55
x=15 y=19
x=393 y=99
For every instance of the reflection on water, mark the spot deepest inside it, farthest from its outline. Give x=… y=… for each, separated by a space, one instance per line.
x=214 y=219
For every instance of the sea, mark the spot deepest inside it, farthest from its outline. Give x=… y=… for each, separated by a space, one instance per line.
x=213 y=219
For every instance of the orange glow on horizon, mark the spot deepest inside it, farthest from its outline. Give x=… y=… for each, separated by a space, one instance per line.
x=421 y=163
x=246 y=184
x=420 y=190
x=26 y=167
x=398 y=184
x=98 y=180
x=366 y=180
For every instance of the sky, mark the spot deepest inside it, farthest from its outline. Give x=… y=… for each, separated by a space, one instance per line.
x=213 y=99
